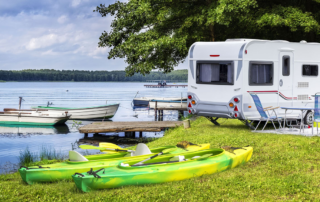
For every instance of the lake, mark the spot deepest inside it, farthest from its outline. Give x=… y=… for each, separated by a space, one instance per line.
x=14 y=139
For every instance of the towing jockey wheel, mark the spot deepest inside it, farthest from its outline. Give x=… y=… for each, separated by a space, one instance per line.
x=308 y=118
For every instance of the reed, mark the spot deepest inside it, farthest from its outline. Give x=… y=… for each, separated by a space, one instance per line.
x=50 y=154
x=28 y=158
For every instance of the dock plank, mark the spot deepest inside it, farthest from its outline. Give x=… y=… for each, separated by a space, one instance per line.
x=147 y=126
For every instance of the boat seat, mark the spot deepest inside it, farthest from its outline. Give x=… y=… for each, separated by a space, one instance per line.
x=142 y=149
x=177 y=158
x=76 y=156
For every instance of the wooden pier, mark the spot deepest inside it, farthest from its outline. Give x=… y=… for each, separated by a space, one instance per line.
x=158 y=111
x=165 y=86
x=146 y=126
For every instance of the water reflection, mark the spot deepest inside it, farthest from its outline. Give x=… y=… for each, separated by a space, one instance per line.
x=27 y=130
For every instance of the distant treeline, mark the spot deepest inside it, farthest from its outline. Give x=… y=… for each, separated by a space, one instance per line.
x=77 y=75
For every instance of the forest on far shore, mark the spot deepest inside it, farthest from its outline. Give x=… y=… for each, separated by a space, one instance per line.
x=78 y=75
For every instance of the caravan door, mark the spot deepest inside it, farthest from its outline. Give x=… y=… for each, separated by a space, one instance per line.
x=285 y=86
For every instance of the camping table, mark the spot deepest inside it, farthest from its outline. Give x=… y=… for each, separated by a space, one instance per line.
x=303 y=109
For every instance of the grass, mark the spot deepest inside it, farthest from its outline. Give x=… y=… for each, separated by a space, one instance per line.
x=283 y=167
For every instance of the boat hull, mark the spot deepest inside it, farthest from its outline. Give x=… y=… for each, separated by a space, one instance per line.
x=36 y=119
x=121 y=175
x=89 y=113
x=65 y=170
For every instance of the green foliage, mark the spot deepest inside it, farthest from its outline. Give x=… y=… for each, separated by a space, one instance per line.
x=77 y=125
x=156 y=34
x=76 y=75
x=282 y=168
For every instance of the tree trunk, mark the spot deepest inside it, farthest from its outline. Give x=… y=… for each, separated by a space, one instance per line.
x=211 y=32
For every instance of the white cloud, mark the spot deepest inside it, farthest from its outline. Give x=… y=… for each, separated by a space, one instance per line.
x=99 y=53
x=75 y=3
x=45 y=41
x=62 y=19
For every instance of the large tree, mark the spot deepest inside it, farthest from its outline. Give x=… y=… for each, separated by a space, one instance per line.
x=156 y=34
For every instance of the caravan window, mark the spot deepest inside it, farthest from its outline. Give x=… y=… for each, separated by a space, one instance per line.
x=261 y=74
x=310 y=70
x=286 y=65
x=220 y=73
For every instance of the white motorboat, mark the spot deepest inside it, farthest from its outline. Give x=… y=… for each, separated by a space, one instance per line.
x=86 y=113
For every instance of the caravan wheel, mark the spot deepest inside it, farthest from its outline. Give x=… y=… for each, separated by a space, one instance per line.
x=308 y=119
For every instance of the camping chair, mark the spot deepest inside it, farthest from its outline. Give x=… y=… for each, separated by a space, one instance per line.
x=265 y=116
x=316 y=109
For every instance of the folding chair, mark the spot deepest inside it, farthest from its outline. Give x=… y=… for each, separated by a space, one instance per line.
x=265 y=116
x=316 y=109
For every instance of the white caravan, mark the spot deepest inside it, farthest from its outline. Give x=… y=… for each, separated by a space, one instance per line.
x=222 y=74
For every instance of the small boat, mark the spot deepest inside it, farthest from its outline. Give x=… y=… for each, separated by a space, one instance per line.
x=144 y=101
x=32 y=117
x=162 y=169
x=41 y=117
x=78 y=163
x=86 y=113
x=167 y=104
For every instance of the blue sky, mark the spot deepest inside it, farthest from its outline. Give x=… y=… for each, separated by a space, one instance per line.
x=54 y=34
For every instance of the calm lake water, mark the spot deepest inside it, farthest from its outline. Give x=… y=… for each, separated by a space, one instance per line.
x=70 y=94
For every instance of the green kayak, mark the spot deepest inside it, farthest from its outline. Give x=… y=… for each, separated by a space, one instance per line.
x=163 y=169
x=65 y=170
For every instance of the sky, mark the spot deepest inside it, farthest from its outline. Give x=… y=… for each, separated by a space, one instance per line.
x=55 y=34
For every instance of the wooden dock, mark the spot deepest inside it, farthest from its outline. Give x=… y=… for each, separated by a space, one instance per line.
x=146 y=126
x=165 y=86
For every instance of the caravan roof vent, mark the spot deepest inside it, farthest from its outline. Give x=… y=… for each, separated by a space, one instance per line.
x=303 y=41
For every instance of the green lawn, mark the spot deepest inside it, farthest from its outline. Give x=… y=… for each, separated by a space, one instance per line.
x=283 y=167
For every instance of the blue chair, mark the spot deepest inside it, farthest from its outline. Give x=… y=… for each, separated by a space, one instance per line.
x=265 y=116
x=316 y=109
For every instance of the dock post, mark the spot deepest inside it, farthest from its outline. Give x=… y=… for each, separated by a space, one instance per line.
x=86 y=135
x=186 y=123
x=155 y=111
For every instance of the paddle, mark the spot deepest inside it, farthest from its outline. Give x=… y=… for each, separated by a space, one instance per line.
x=103 y=148
x=109 y=145
x=154 y=156
x=166 y=162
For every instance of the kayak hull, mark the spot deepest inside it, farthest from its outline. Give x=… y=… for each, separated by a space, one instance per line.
x=65 y=170
x=119 y=176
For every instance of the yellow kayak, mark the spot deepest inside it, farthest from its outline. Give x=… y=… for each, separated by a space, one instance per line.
x=167 y=168
x=65 y=170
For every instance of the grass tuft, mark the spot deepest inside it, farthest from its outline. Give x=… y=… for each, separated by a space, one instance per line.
x=28 y=158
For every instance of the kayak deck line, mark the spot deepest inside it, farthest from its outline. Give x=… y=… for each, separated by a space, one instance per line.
x=146 y=126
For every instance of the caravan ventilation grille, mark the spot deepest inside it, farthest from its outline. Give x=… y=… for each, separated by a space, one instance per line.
x=303 y=84
x=303 y=97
